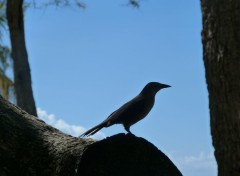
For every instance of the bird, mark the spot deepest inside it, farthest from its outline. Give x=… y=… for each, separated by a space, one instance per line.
x=132 y=111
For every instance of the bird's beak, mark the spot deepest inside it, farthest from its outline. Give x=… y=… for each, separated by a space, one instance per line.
x=165 y=86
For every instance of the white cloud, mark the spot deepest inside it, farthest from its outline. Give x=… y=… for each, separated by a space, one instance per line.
x=196 y=165
x=201 y=161
x=74 y=130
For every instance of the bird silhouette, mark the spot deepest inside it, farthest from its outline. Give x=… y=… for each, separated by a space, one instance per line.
x=133 y=111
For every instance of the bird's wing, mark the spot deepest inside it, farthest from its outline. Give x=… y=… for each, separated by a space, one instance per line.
x=114 y=117
x=130 y=109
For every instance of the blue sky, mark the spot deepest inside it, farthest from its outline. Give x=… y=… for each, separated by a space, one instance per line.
x=87 y=63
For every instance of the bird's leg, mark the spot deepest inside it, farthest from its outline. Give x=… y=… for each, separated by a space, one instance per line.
x=127 y=128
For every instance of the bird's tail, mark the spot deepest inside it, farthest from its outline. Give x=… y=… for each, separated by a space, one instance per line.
x=93 y=130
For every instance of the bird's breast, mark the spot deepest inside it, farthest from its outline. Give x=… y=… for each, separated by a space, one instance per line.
x=141 y=111
x=146 y=108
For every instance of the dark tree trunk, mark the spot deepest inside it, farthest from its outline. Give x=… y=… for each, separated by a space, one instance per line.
x=221 y=54
x=28 y=146
x=22 y=76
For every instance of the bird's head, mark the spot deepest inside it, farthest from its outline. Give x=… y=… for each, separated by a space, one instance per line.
x=153 y=87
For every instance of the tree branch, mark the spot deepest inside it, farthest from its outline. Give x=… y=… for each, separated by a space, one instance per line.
x=28 y=146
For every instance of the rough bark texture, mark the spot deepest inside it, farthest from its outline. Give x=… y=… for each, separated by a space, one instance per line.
x=22 y=76
x=28 y=146
x=221 y=54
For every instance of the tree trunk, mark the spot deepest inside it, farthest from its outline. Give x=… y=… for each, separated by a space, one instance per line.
x=221 y=54
x=28 y=146
x=22 y=76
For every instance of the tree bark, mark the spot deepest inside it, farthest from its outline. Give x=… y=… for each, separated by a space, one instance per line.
x=22 y=75
x=28 y=146
x=221 y=54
